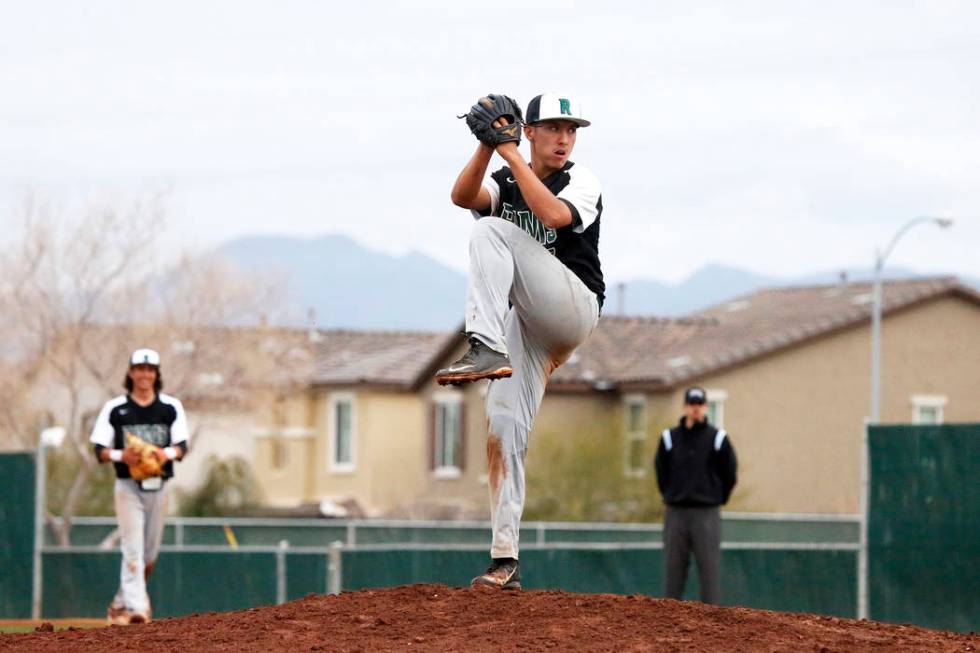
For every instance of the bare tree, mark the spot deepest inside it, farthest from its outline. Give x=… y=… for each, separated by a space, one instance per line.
x=79 y=294
x=60 y=281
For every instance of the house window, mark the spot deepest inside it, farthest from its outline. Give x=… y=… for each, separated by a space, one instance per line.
x=635 y=407
x=342 y=433
x=716 y=407
x=448 y=435
x=928 y=409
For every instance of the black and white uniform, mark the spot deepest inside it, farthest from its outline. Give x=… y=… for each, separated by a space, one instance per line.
x=577 y=245
x=696 y=472
x=140 y=507
x=534 y=294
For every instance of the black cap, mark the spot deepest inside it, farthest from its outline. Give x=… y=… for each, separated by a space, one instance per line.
x=695 y=395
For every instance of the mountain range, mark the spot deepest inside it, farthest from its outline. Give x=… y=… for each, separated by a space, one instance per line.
x=338 y=283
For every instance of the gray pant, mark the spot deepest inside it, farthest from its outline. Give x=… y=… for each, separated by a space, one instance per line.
x=692 y=529
x=141 y=516
x=552 y=312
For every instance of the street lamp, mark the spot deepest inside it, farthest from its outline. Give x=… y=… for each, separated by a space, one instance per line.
x=880 y=258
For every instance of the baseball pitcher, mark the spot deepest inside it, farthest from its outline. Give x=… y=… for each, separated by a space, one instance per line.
x=535 y=285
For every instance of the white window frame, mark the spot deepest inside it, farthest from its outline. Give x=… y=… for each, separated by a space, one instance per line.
x=446 y=399
x=630 y=436
x=333 y=465
x=937 y=402
x=718 y=398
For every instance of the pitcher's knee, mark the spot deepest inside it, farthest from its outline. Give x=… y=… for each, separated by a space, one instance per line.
x=490 y=227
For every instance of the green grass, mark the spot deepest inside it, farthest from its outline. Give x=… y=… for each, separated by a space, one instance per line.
x=17 y=629
x=28 y=627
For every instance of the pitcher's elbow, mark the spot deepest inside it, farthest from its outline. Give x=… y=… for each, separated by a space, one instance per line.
x=459 y=200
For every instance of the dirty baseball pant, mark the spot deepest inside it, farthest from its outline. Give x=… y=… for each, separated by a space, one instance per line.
x=523 y=302
x=140 y=515
x=696 y=529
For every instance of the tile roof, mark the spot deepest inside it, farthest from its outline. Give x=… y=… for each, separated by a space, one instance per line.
x=669 y=351
x=641 y=350
x=396 y=358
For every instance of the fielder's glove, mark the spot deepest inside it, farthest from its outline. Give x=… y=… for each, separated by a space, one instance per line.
x=149 y=463
x=490 y=108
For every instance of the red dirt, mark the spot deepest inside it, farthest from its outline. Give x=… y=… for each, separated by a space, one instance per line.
x=439 y=618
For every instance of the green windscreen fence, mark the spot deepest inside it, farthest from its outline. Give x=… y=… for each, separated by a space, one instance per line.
x=819 y=581
x=81 y=583
x=16 y=534
x=924 y=525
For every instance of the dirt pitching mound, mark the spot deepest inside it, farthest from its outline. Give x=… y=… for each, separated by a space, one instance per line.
x=440 y=618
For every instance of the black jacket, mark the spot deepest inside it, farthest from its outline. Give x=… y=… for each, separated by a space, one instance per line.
x=696 y=466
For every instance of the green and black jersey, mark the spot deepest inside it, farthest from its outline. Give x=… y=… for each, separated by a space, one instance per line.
x=577 y=245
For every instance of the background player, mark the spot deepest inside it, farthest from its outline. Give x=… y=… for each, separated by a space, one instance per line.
x=534 y=292
x=141 y=506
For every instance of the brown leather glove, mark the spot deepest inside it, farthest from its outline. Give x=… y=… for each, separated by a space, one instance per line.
x=149 y=464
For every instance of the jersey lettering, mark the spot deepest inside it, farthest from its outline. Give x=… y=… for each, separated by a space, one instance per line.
x=155 y=434
x=575 y=245
x=527 y=221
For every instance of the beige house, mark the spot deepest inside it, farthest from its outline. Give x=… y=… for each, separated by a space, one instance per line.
x=375 y=430
x=787 y=372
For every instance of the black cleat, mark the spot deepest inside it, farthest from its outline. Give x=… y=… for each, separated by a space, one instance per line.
x=139 y=618
x=504 y=573
x=480 y=362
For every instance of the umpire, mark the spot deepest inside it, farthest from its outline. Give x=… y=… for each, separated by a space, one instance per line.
x=696 y=473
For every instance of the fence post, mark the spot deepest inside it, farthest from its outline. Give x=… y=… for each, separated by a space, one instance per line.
x=862 y=557
x=334 y=568
x=40 y=475
x=179 y=533
x=281 y=572
x=351 y=534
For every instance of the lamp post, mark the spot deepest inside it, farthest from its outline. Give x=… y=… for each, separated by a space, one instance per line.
x=880 y=258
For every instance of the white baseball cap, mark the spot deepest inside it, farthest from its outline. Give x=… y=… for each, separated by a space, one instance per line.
x=144 y=357
x=551 y=106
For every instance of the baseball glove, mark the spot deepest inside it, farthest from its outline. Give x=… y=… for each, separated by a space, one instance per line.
x=488 y=109
x=149 y=464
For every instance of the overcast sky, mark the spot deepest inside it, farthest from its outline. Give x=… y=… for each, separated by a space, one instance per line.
x=781 y=137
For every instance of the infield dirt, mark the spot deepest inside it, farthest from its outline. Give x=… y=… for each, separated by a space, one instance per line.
x=440 y=618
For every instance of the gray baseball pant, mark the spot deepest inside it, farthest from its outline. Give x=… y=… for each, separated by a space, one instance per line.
x=521 y=301
x=141 y=517
x=696 y=529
